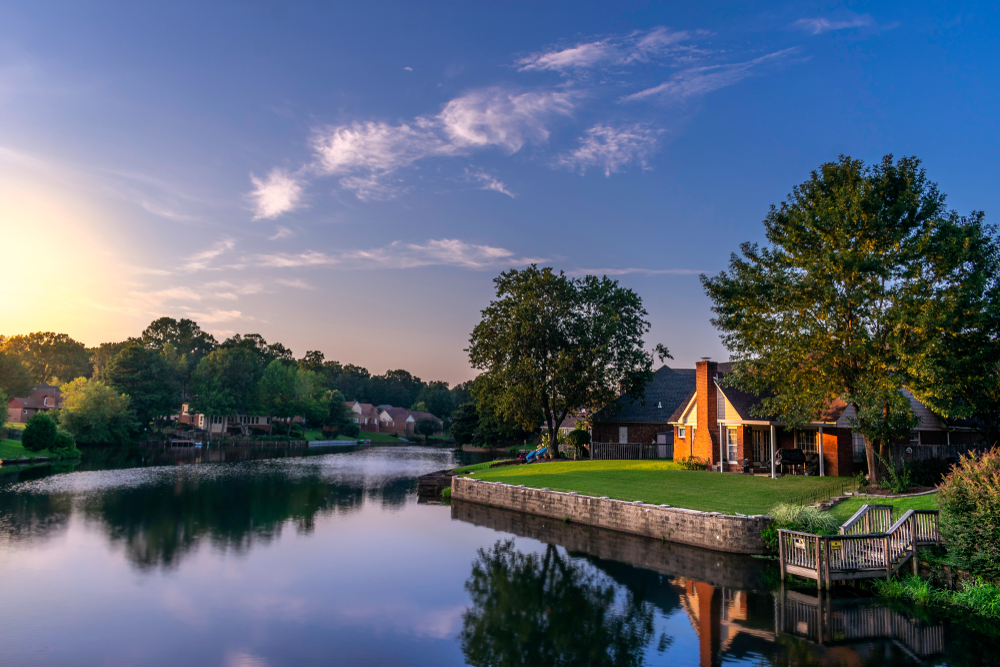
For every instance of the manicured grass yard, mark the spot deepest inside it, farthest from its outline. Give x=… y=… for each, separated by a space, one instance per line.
x=846 y=509
x=12 y=449
x=663 y=482
x=374 y=437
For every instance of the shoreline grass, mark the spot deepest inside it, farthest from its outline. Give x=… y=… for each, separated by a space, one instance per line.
x=977 y=597
x=845 y=510
x=664 y=482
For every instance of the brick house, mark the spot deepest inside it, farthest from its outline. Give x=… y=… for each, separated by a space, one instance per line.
x=365 y=416
x=646 y=421
x=42 y=398
x=715 y=423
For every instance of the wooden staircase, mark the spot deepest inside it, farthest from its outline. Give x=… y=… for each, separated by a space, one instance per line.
x=870 y=545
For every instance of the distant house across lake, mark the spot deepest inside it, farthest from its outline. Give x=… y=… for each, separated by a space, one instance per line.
x=42 y=398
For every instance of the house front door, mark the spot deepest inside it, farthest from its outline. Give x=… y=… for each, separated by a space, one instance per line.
x=623 y=435
x=761 y=445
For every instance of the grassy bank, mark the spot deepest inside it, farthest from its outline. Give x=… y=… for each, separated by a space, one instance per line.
x=846 y=509
x=978 y=597
x=12 y=449
x=663 y=482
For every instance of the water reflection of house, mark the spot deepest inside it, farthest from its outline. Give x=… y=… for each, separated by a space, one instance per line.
x=42 y=398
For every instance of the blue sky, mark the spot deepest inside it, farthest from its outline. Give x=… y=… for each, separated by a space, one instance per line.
x=350 y=177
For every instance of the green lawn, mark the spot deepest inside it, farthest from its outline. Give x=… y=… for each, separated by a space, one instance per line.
x=374 y=437
x=846 y=509
x=12 y=449
x=663 y=482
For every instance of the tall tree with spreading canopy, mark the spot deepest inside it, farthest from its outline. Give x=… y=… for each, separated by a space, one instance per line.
x=15 y=376
x=550 y=344
x=50 y=356
x=96 y=413
x=869 y=286
x=225 y=383
x=184 y=342
x=148 y=378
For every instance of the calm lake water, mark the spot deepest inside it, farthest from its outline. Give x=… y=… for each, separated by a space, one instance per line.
x=331 y=560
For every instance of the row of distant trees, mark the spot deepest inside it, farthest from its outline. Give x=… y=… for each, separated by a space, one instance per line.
x=116 y=390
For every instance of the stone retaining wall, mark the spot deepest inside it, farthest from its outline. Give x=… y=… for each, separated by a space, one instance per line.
x=711 y=530
x=673 y=560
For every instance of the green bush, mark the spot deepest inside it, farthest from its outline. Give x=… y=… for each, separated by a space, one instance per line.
x=969 y=499
x=578 y=438
x=797 y=517
x=979 y=597
x=65 y=445
x=896 y=480
x=40 y=433
x=693 y=463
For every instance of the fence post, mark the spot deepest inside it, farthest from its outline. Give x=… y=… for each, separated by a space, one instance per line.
x=781 y=555
x=888 y=565
x=819 y=567
x=913 y=540
x=826 y=561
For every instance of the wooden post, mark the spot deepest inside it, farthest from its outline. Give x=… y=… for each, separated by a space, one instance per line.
x=773 y=450
x=913 y=540
x=826 y=562
x=722 y=448
x=819 y=567
x=821 y=469
x=781 y=556
x=888 y=565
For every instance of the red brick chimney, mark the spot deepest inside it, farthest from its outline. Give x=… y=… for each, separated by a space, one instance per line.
x=706 y=437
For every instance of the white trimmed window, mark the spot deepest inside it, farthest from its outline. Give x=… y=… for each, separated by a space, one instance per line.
x=680 y=431
x=732 y=443
x=805 y=439
x=858 y=446
x=914 y=438
x=623 y=435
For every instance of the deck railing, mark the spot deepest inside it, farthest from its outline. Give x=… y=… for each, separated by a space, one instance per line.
x=828 y=558
x=868 y=519
x=613 y=450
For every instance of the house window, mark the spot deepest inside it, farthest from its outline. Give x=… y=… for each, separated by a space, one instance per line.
x=680 y=431
x=623 y=434
x=914 y=438
x=731 y=443
x=761 y=443
x=805 y=439
x=858 y=446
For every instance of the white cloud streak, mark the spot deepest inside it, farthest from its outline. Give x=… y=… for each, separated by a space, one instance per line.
x=281 y=233
x=203 y=259
x=366 y=155
x=611 y=149
x=299 y=284
x=275 y=195
x=612 y=51
x=398 y=255
x=699 y=81
x=631 y=270
x=817 y=26
x=488 y=182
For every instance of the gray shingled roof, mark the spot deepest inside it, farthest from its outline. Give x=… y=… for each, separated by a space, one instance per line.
x=669 y=388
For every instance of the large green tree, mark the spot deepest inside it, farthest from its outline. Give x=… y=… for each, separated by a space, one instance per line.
x=101 y=355
x=436 y=396
x=277 y=391
x=15 y=376
x=550 y=344
x=868 y=286
x=50 y=356
x=225 y=383
x=183 y=341
x=148 y=378
x=96 y=413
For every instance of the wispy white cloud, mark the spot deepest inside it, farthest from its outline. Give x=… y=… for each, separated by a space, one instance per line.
x=366 y=155
x=616 y=50
x=612 y=148
x=300 y=284
x=398 y=255
x=631 y=270
x=216 y=316
x=817 y=26
x=279 y=193
x=281 y=233
x=698 y=81
x=488 y=182
x=202 y=260
x=158 y=297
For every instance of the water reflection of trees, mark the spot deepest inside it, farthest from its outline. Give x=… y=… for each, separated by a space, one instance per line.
x=540 y=610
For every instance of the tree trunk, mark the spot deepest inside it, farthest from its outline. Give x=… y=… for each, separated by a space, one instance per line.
x=874 y=469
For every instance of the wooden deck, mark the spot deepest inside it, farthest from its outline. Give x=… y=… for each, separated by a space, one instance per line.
x=870 y=546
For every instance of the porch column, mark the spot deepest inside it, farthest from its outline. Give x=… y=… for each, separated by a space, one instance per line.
x=773 y=451
x=722 y=448
x=821 y=473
